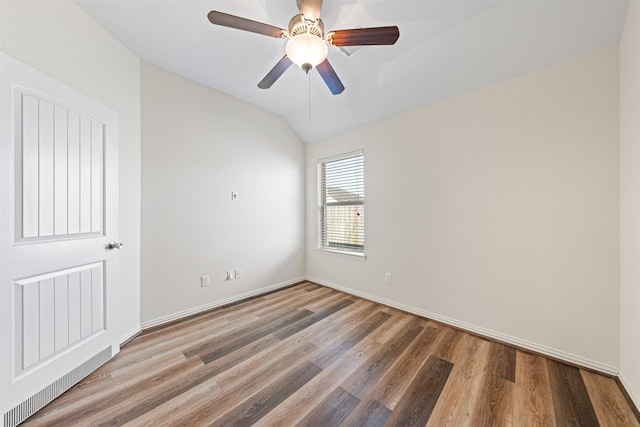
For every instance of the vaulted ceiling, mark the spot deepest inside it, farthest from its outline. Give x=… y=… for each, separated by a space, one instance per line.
x=446 y=48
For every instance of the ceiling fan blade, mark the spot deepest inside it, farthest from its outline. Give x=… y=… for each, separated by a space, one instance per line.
x=275 y=73
x=364 y=36
x=330 y=77
x=310 y=8
x=232 y=21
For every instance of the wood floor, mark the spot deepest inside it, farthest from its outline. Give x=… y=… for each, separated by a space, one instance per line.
x=312 y=356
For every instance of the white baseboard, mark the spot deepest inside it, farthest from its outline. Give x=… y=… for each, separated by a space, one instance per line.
x=128 y=335
x=633 y=395
x=215 y=304
x=538 y=348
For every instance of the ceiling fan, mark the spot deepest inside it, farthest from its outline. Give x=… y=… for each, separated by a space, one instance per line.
x=308 y=44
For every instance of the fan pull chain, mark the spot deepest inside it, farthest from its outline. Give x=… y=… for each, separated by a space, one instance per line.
x=309 y=85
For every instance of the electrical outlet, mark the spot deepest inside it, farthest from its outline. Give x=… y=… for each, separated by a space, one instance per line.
x=238 y=273
x=205 y=281
x=230 y=275
x=388 y=278
x=234 y=195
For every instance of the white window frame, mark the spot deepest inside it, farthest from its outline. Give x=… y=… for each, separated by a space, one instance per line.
x=322 y=244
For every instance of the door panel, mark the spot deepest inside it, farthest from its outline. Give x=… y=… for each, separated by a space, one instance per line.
x=62 y=177
x=57 y=311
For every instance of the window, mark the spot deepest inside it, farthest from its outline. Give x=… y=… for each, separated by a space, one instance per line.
x=341 y=203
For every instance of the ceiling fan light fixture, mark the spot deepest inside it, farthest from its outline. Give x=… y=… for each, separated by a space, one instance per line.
x=307 y=46
x=307 y=50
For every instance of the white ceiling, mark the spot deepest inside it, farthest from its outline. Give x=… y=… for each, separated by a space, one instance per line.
x=446 y=48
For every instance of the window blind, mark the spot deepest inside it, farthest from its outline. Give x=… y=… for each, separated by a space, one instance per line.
x=341 y=203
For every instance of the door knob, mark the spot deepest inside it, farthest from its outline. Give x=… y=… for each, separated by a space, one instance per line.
x=114 y=245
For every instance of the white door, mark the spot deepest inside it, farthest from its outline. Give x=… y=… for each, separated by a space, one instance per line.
x=58 y=214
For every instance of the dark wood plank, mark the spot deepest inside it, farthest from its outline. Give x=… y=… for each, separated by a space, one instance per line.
x=368 y=413
x=351 y=338
x=244 y=340
x=330 y=331
x=332 y=410
x=312 y=287
x=248 y=333
x=571 y=403
x=416 y=405
x=503 y=361
x=258 y=405
x=366 y=376
x=391 y=387
x=298 y=326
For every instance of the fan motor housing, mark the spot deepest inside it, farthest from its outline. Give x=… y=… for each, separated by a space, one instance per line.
x=300 y=25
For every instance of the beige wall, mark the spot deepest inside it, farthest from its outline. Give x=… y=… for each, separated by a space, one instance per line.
x=630 y=203
x=496 y=211
x=59 y=39
x=199 y=145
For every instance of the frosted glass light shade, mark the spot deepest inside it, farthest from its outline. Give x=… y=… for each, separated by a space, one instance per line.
x=307 y=49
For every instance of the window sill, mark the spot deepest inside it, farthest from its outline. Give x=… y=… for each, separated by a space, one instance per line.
x=343 y=254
